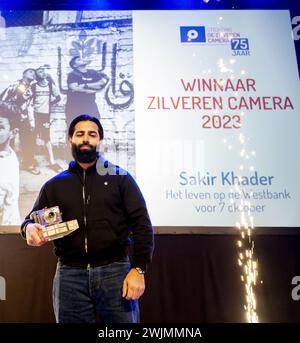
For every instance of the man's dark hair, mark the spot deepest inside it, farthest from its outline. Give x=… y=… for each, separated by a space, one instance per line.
x=26 y=70
x=85 y=117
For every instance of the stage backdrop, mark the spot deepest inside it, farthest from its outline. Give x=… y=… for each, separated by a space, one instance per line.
x=217 y=117
x=202 y=108
x=207 y=265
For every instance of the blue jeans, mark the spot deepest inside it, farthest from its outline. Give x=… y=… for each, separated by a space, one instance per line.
x=81 y=295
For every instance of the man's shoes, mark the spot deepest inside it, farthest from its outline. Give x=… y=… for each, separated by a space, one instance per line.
x=56 y=167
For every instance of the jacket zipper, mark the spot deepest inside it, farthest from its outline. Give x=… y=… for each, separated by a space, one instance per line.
x=84 y=216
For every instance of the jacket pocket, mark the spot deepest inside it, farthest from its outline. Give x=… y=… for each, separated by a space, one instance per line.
x=72 y=243
x=101 y=235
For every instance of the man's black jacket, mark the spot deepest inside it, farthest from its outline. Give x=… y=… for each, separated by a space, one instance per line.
x=110 y=210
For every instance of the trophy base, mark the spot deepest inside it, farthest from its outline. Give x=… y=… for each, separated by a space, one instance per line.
x=55 y=231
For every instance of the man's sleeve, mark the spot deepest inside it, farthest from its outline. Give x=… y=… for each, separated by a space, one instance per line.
x=6 y=94
x=40 y=203
x=72 y=78
x=140 y=223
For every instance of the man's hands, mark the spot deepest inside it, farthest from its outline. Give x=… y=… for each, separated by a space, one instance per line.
x=133 y=285
x=34 y=235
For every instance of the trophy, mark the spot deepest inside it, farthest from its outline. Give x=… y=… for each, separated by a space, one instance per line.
x=51 y=221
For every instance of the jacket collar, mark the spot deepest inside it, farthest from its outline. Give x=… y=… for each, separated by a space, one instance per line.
x=74 y=167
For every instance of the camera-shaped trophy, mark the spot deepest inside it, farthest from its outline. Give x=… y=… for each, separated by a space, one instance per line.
x=51 y=221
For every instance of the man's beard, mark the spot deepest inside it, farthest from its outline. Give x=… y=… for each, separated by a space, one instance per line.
x=84 y=156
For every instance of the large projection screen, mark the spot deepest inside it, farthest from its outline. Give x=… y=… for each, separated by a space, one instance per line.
x=201 y=107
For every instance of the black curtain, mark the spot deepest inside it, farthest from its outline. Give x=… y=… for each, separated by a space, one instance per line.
x=193 y=279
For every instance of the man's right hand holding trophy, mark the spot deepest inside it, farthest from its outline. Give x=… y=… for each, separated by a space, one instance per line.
x=48 y=225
